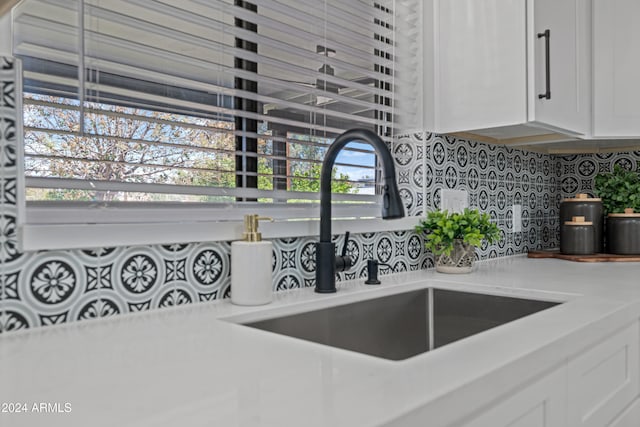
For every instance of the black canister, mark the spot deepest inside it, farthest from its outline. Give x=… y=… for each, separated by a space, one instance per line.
x=623 y=233
x=591 y=209
x=577 y=237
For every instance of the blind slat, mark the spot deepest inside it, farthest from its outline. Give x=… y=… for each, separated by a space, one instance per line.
x=192 y=190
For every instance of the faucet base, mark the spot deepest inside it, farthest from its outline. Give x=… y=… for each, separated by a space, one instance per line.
x=325 y=267
x=325 y=291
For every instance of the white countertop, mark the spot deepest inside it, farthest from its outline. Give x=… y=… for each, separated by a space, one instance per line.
x=187 y=367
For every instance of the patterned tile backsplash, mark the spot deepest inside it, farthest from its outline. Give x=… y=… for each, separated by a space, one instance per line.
x=58 y=286
x=495 y=177
x=579 y=171
x=52 y=287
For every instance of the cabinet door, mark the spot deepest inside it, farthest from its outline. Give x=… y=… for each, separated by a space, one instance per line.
x=542 y=404
x=480 y=64
x=616 y=39
x=604 y=380
x=630 y=417
x=559 y=83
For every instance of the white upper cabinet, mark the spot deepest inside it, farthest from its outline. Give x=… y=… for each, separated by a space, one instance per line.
x=616 y=72
x=490 y=61
x=480 y=64
x=559 y=90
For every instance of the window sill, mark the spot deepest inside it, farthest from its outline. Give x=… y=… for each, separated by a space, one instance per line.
x=34 y=237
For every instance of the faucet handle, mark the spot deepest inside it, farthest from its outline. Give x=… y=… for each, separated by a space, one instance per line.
x=344 y=261
x=346 y=243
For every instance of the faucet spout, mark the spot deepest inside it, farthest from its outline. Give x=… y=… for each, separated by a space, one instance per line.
x=391 y=202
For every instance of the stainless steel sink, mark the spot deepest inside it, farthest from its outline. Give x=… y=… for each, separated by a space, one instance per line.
x=400 y=326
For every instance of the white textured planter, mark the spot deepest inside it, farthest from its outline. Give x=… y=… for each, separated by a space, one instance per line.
x=459 y=261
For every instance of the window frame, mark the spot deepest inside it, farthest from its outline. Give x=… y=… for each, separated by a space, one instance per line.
x=34 y=237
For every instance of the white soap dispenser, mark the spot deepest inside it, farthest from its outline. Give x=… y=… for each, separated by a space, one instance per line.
x=251 y=277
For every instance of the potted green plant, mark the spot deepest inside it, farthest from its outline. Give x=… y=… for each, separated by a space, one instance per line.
x=453 y=236
x=618 y=190
x=620 y=194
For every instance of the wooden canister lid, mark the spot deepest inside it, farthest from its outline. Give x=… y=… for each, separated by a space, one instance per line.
x=582 y=197
x=578 y=220
x=628 y=213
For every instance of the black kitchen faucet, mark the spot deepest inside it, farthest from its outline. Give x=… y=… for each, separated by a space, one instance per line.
x=326 y=260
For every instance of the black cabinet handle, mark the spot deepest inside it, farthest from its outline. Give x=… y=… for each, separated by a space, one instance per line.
x=547 y=36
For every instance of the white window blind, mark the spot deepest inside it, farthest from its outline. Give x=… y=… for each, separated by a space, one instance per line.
x=200 y=103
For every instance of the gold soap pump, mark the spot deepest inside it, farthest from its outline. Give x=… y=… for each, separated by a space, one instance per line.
x=251 y=265
x=251 y=223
